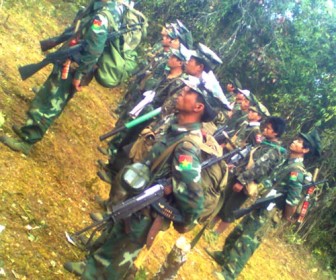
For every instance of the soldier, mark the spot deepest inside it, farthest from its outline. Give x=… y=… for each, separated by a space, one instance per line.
x=115 y=257
x=249 y=131
x=56 y=92
x=165 y=88
x=244 y=99
x=259 y=164
x=247 y=236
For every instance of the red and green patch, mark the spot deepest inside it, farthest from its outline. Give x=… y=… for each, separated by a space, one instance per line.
x=293 y=176
x=96 y=24
x=185 y=162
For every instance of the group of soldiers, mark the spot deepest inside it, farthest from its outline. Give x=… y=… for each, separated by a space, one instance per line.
x=196 y=122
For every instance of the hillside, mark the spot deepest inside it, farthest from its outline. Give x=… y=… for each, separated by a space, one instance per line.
x=52 y=190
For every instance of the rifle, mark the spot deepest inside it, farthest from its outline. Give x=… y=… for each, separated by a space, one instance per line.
x=123 y=210
x=131 y=124
x=221 y=135
x=232 y=157
x=153 y=196
x=273 y=198
x=69 y=33
x=61 y=55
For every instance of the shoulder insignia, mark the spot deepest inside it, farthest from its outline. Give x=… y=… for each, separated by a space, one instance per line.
x=185 y=162
x=96 y=24
x=293 y=176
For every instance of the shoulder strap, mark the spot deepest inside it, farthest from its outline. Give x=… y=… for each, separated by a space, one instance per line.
x=161 y=160
x=251 y=160
x=111 y=23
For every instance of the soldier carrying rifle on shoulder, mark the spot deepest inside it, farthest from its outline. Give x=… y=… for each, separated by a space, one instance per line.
x=82 y=56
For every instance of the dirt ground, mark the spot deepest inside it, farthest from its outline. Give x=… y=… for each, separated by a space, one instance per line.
x=52 y=190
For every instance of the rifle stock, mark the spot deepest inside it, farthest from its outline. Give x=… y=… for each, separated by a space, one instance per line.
x=30 y=69
x=260 y=203
x=57 y=57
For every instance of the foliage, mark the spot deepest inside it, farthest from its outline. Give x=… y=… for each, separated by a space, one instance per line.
x=284 y=51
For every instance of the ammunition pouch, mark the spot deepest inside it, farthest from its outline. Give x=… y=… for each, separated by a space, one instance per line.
x=142 y=145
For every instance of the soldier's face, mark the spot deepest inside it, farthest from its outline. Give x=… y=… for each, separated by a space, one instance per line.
x=166 y=40
x=174 y=62
x=297 y=147
x=253 y=116
x=245 y=104
x=175 y=43
x=186 y=101
x=268 y=132
x=230 y=87
x=193 y=68
x=239 y=97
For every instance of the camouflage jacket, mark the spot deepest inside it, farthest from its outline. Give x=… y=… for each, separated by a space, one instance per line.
x=290 y=178
x=96 y=33
x=166 y=89
x=266 y=157
x=184 y=167
x=249 y=133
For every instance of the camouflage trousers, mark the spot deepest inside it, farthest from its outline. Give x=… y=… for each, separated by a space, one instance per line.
x=47 y=105
x=114 y=252
x=243 y=241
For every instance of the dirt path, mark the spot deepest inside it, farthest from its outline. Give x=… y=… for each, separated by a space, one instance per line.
x=52 y=190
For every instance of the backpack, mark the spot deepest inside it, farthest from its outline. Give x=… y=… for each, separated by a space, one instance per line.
x=119 y=60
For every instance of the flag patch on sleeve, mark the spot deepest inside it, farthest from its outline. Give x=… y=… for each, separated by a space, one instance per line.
x=96 y=24
x=293 y=176
x=185 y=162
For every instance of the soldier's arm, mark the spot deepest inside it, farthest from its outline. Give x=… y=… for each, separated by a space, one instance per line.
x=294 y=184
x=95 y=39
x=187 y=189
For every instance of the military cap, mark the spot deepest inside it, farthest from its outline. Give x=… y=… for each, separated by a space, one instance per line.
x=209 y=112
x=260 y=109
x=249 y=96
x=182 y=53
x=180 y=31
x=314 y=140
x=209 y=57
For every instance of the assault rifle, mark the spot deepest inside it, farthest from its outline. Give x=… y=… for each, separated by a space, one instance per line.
x=124 y=210
x=131 y=124
x=274 y=198
x=153 y=196
x=232 y=157
x=61 y=55
x=70 y=33
x=222 y=135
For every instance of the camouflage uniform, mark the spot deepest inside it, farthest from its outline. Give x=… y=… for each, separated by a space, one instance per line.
x=165 y=89
x=115 y=257
x=55 y=93
x=267 y=156
x=248 y=133
x=247 y=236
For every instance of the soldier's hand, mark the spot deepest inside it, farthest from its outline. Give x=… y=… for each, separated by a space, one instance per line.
x=237 y=187
x=76 y=84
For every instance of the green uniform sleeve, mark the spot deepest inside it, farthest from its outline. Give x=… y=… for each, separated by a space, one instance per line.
x=95 y=38
x=187 y=189
x=294 y=187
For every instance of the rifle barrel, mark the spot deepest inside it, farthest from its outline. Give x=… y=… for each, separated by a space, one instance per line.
x=131 y=124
